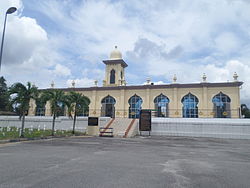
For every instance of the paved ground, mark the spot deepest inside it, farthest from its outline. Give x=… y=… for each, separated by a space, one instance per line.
x=128 y=163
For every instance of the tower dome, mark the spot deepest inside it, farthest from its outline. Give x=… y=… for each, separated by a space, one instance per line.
x=115 y=54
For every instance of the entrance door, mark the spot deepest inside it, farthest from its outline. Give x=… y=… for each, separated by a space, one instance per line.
x=109 y=110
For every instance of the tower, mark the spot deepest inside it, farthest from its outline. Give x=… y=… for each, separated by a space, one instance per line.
x=115 y=69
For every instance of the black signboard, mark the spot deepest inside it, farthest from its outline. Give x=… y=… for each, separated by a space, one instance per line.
x=93 y=121
x=145 y=120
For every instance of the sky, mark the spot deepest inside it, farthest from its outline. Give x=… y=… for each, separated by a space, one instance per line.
x=65 y=40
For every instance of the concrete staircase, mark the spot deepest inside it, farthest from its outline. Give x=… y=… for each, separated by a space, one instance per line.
x=123 y=127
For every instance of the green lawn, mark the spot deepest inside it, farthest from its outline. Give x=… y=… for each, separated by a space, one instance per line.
x=13 y=132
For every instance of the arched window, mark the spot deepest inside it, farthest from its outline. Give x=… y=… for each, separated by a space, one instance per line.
x=108 y=100
x=61 y=109
x=84 y=108
x=221 y=106
x=190 y=108
x=112 y=76
x=40 y=108
x=161 y=105
x=135 y=103
x=108 y=106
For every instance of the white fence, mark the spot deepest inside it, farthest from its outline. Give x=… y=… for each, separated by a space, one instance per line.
x=194 y=127
x=202 y=127
x=45 y=122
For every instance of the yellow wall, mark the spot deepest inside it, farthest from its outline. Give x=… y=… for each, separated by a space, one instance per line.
x=118 y=69
x=175 y=95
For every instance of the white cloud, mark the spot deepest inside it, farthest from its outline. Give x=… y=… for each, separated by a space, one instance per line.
x=28 y=53
x=84 y=82
x=227 y=43
x=97 y=74
x=61 y=70
x=23 y=39
x=219 y=74
x=158 y=39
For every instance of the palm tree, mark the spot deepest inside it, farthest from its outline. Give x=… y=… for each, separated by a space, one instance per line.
x=245 y=111
x=21 y=96
x=4 y=95
x=76 y=102
x=57 y=100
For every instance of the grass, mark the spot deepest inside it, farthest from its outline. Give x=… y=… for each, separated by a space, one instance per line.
x=13 y=133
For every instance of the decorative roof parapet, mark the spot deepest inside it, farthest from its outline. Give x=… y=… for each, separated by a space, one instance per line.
x=174 y=85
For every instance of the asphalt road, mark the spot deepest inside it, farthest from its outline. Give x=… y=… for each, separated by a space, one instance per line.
x=126 y=163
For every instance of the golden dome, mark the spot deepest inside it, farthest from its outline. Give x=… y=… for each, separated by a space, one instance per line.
x=115 y=54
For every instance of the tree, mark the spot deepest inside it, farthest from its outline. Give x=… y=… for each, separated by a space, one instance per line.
x=76 y=102
x=57 y=101
x=4 y=95
x=245 y=111
x=21 y=96
x=40 y=107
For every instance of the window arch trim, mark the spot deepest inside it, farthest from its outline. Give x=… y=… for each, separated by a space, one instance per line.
x=161 y=105
x=189 y=106
x=135 y=105
x=221 y=105
x=108 y=100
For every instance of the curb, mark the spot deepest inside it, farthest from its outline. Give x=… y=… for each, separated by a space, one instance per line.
x=38 y=138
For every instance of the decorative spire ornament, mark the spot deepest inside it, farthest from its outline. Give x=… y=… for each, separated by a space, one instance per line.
x=96 y=83
x=204 y=77
x=52 y=85
x=174 y=78
x=73 y=83
x=148 y=81
x=235 y=76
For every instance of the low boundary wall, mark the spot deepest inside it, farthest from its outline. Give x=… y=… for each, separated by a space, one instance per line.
x=193 y=127
x=45 y=122
x=202 y=127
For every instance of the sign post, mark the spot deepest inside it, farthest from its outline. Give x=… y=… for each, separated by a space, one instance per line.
x=93 y=126
x=145 y=121
x=92 y=121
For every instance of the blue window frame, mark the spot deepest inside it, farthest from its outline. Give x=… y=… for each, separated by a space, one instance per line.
x=108 y=107
x=221 y=106
x=135 y=103
x=190 y=108
x=108 y=100
x=161 y=105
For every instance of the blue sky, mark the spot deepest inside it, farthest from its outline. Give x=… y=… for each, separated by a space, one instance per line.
x=65 y=40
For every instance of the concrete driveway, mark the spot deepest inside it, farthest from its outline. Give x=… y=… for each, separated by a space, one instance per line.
x=150 y=162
